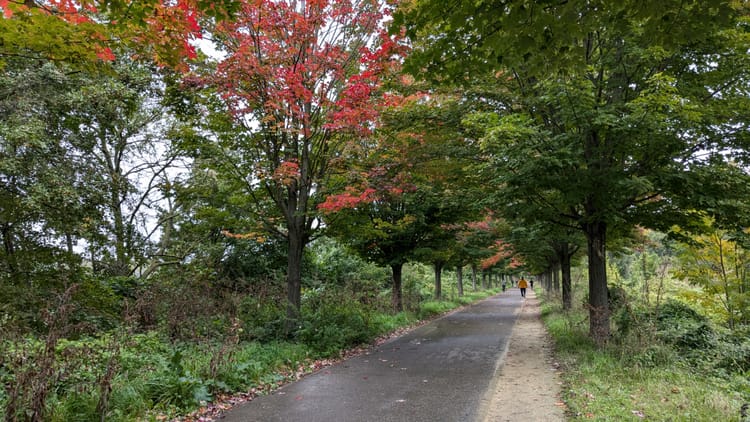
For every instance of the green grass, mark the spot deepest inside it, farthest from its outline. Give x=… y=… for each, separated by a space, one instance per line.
x=637 y=382
x=431 y=308
x=386 y=323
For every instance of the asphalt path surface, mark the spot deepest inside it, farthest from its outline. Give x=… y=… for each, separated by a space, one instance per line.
x=442 y=371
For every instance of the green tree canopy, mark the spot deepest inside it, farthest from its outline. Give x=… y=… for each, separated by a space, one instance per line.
x=611 y=107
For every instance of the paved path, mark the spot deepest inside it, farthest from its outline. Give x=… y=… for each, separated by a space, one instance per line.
x=442 y=371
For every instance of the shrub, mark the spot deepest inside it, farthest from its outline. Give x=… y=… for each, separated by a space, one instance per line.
x=734 y=350
x=177 y=386
x=684 y=328
x=262 y=320
x=617 y=297
x=675 y=310
x=77 y=406
x=330 y=327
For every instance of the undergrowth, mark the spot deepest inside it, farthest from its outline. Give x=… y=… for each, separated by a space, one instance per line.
x=662 y=366
x=123 y=376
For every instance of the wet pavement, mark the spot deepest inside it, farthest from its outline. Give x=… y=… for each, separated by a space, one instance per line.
x=441 y=371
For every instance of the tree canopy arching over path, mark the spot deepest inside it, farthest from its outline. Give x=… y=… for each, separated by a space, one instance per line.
x=155 y=202
x=397 y=201
x=622 y=109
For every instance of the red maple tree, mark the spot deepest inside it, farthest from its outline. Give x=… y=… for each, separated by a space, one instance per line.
x=301 y=79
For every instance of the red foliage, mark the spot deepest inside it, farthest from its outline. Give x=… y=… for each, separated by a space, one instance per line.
x=291 y=65
x=502 y=251
x=287 y=173
x=164 y=33
x=106 y=54
x=349 y=199
x=172 y=27
x=465 y=231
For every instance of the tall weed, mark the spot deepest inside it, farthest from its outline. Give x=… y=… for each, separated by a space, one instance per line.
x=34 y=368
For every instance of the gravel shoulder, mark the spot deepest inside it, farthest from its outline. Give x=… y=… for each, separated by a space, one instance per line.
x=527 y=385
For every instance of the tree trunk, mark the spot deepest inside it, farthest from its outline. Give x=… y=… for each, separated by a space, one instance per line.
x=598 y=295
x=122 y=266
x=69 y=243
x=15 y=272
x=567 y=298
x=396 y=295
x=294 y=278
x=474 y=277
x=460 y=280
x=556 y=276
x=484 y=280
x=10 y=249
x=438 y=280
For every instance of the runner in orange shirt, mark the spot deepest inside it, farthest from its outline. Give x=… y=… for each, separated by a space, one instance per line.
x=522 y=284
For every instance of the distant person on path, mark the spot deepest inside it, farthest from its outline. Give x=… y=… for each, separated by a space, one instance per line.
x=531 y=280
x=503 y=284
x=522 y=284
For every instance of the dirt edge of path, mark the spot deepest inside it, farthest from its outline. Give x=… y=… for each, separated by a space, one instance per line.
x=527 y=385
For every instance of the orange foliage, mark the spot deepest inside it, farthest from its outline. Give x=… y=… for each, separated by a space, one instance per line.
x=245 y=236
x=502 y=251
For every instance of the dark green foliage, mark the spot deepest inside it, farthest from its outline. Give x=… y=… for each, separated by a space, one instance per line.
x=618 y=297
x=674 y=310
x=331 y=325
x=685 y=329
x=262 y=319
x=245 y=264
x=176 y=386
x=734 y=350
x=673 y=323
x=677 y=333
x=331 y=265
x=235 y=376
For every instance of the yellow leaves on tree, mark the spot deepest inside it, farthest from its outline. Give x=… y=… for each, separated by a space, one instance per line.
x=258 y=237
